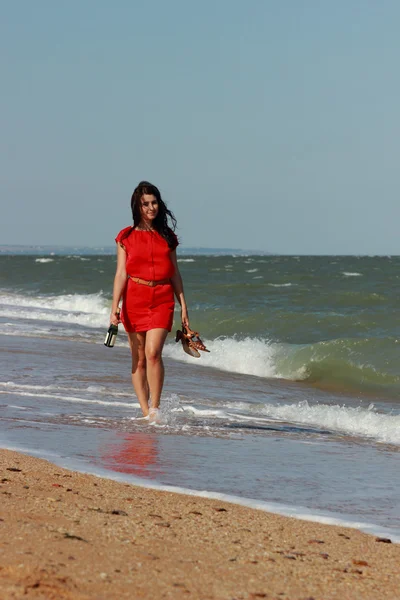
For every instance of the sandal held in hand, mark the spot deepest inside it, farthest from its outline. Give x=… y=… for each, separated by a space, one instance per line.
x=191 y=342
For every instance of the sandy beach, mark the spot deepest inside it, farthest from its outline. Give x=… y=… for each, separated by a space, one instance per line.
x=75 y=536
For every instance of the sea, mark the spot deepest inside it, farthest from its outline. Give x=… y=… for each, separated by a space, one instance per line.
x=295 y=410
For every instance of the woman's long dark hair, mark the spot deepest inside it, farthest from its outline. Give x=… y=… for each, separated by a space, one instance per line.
x=160 y=223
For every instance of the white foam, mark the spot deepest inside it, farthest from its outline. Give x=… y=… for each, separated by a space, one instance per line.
x=346 y=420
x=250 y=356
x=205 y=412
x=72 y=399
x=251 y=270
x=44 y=260
x=90 y=310
x=186 y=260
x=357 y=421
x=76 y=302
x=78 y=257
x=347 y=274
x=281 y=284
x=94 y=389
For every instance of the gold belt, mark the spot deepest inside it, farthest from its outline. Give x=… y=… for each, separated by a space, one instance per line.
x=150 y=283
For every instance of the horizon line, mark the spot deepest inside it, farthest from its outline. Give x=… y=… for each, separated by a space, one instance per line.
x=7 y=249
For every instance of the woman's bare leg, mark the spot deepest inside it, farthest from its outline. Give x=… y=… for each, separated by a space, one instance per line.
x=137 y=342
x=155 y=339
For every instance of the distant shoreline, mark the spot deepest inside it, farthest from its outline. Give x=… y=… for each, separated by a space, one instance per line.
x=19 y=250
x=107 y=250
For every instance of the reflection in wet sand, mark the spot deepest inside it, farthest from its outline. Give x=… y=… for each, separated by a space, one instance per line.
x=133 y=453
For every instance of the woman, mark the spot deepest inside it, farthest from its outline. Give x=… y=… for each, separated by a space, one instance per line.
x=146 y=278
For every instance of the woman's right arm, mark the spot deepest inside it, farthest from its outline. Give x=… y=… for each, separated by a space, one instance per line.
x=119 y=283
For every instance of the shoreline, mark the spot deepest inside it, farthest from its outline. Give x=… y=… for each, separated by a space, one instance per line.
x=71 y=535
x=301 y=513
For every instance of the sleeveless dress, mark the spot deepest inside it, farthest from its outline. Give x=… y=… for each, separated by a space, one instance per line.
x=148 y=257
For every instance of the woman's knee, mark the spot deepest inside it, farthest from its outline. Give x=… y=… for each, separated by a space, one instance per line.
x=138 y=363
x=153 y=356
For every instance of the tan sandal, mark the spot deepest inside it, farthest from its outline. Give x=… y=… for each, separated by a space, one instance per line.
x=191 y=342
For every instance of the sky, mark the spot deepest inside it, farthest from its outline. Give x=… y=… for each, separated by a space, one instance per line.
x=270 y=125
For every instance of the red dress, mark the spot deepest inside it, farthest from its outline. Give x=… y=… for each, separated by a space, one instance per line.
x=148 y=257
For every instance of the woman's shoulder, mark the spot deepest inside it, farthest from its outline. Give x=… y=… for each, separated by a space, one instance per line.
x=123 y=234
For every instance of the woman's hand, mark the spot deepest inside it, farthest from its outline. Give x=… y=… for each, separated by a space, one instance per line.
x=185 y=317
x=115 y=318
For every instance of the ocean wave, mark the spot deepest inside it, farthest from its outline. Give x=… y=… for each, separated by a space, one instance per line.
x=354 y=421
x=250 y=356
x=352 y=364
x=44 y=260
x=356 y=364
x=90 y=310
x=360 y=422
x=366 y=363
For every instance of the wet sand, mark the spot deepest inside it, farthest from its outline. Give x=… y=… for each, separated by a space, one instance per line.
x=66 y=535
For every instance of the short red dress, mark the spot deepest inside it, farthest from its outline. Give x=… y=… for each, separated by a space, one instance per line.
x=148 y=257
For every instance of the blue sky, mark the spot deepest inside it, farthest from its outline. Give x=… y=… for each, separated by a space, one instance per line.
x=271 y=125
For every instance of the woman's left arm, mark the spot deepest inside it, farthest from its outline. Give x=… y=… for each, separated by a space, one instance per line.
x=177 y=284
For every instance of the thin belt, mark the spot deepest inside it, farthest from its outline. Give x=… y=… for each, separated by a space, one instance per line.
x=149 y=283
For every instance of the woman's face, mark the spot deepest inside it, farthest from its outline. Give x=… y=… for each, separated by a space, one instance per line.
x=148 y=207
